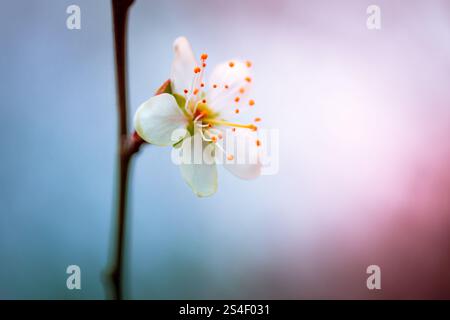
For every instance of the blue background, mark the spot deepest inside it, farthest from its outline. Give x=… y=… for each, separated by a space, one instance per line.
x=363 y=120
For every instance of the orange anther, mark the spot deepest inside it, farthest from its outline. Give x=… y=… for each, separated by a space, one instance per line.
x=251 y=102
x=236 y=111
x=230 y=157
x=204 y=56
x=237 y=99
x=231 y=64
x=195 y=91
x=197 y=69
x=214 y=138
x=241 y=90
x=248 y=63
x=248 y=79
x=257 y=119
x=258 y=143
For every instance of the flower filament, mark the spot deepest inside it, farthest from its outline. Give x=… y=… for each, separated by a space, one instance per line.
x=203 y=117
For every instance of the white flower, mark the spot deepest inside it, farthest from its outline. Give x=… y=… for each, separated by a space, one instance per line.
x=201 y=111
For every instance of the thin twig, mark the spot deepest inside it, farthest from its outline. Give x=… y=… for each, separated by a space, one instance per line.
x=128 y=146
x=120 y=14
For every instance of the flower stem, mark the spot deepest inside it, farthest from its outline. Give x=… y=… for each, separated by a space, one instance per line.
x=126 y=146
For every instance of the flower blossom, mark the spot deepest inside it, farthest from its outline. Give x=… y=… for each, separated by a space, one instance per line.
x=194 y=112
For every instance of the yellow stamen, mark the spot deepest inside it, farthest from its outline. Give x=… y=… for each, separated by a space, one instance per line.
x=230 y=124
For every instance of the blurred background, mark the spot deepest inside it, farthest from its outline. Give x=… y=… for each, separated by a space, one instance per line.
x=364 y=170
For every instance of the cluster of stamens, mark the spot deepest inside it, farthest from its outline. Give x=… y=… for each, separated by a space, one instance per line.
x=196 y=106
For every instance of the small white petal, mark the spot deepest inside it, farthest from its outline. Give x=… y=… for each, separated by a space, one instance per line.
x=242 y=146
x=229 y=82
x=244 y=171
x=201 y=175
x=157 y=118
x=183 y=65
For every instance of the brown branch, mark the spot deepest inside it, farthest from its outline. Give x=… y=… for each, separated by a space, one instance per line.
x=127 y=145
x=120 y=14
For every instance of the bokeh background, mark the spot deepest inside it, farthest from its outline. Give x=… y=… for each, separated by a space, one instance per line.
x=364 y=178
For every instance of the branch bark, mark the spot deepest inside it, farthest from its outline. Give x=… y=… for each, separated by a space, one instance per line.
x=120 y=14
x=128 y=146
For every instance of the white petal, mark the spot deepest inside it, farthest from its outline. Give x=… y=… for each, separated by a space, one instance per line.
x=183 y=65
x=157 y=118
x=242 y=146
x=201 y=175
x=229 y=81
